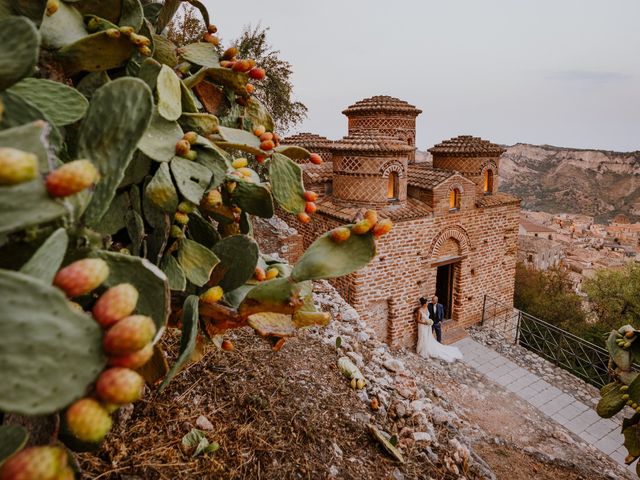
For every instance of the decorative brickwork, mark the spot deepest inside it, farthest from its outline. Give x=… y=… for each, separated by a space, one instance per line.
x=475 y=244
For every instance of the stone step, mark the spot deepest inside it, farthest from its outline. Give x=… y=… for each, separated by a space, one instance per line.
x=452 y=334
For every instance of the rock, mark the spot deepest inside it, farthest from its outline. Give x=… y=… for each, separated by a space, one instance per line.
x=362 y=337
x=357 y=359
x=203 y=423
x=333 y=471
x=422 y=437
x=394 y=365
x=337 y=450
x=362 y=395
x=417 y=405
x=400 y=410
x=361 y=417
x=406 y=386
x=397 y=474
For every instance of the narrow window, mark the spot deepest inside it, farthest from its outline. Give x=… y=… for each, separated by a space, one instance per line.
x=454 y=199
x=488 y=181
x=392 y=186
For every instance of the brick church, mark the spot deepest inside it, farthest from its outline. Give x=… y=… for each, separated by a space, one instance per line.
x=455 y=235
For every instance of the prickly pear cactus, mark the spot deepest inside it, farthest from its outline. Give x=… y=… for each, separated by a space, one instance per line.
x=148 y=160
x=624 y=390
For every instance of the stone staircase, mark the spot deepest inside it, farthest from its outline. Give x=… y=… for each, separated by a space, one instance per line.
x=452 y=333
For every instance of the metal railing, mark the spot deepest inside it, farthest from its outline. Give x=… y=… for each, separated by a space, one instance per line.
x=574 y=354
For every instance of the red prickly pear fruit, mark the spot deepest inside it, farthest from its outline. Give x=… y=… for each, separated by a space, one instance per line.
x=303 y=217
x=340 y=234
x=52 y=6
x=267 y=145
x=191 y=137
x=212 y=199
x=276 y=137
x=88 y=421
x=82 y=276
x=119 y=386
x=113 y=33
x=315 y=159
x=310 y=196
x=272 y=273
x=133 y=360
x=212 y=39
x=249 y=88
x=129 y=335
x=181 y=218
x=212 y=295
x=362 y=227
x=242 y=66
x=372 y=216
x=260 y=274
x=183 y=147
x=310 y=207
x=227 y=345
x=176 y=232
x=257 y=73
x=260 y=159
x=212 y=28
x=115 y=304
x=71 y=178
x=383 y=227
x=258 y=130
x=266 y=136
x=128 y=31
x=186 y=207
x=230 y=53
x=35 y=463
x=17 y=166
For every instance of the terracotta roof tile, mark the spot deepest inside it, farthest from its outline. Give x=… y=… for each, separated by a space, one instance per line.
x=413 y=208
x=308 y=140
x=496 y=200
x=534 y=227
x=317 y=173
x=381 y=103
x=367 y=142
x=425 y=176
x=466 y=145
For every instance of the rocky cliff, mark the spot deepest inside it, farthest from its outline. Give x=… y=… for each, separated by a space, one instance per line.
x=592 y=182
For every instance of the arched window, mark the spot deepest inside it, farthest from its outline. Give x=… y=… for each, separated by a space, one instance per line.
x=454 y=199
x=488 y=181
x=393 y=186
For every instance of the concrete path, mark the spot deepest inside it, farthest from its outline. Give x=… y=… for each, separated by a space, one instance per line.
x=604 y=434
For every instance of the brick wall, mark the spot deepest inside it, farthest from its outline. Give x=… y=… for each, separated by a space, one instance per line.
x=402 y=271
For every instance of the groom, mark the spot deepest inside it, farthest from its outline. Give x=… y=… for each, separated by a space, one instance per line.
x=436 y=313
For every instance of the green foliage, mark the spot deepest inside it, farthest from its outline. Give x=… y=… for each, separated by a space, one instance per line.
x=49 y=353
x=613 y=295
x=12 y=439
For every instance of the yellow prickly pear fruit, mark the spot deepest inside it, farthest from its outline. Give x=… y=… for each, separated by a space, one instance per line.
x=112 y=33
x=354 y=383
x=383 y=227
x=139 y=40
x=52 y=6
x=340 y=234
x=246 y=172
x=362 y=227
x=213 y=295
x=271 y=273
x=17 y=166
x=212 y=199
x=360 y=383
x=372 y=216
x=128 y=31
x=239 y=162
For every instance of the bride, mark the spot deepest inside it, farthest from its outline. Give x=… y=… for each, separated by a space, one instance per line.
x=428 y=346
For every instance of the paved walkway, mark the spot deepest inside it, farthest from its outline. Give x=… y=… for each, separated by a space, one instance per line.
x=604 y=434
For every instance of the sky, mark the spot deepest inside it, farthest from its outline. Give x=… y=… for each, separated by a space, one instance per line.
x=557 y=72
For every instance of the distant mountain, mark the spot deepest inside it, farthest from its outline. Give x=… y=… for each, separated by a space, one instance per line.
x=592 y=182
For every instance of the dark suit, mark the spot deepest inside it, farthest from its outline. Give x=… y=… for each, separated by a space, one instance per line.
x=437 y=316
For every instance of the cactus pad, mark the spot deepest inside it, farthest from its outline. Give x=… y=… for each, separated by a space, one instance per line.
x=240 y=140
x=175 y=275
x=19 y=41
x=117 y=118
x=326 y=259
x=12 y=439
x=61 y=104
x=169 y=94
x=196 y=261
x=165 y=51
x=201 y=123
x=202 y=231
x=27 y=204
x=293 y=152
x=203 y=54
x=47 y=260
x=611 y=401
x=253 y=198
x=29 y=138
x=160 y=138
x=188 y=338
x=192 y=179
x=132 y=14
x=96 y=52
x=286 y=183
x=258 y=114
x=49 y=353
x=279 y=295
x=238 y=256
x=63 y=28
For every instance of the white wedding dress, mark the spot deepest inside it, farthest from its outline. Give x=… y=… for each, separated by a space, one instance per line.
x=428 y=346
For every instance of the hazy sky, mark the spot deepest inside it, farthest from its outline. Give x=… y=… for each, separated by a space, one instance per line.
x=560 y=72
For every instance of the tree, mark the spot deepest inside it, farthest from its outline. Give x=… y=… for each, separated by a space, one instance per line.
x=613 y=295
x=276 y=90
x=187 y=26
